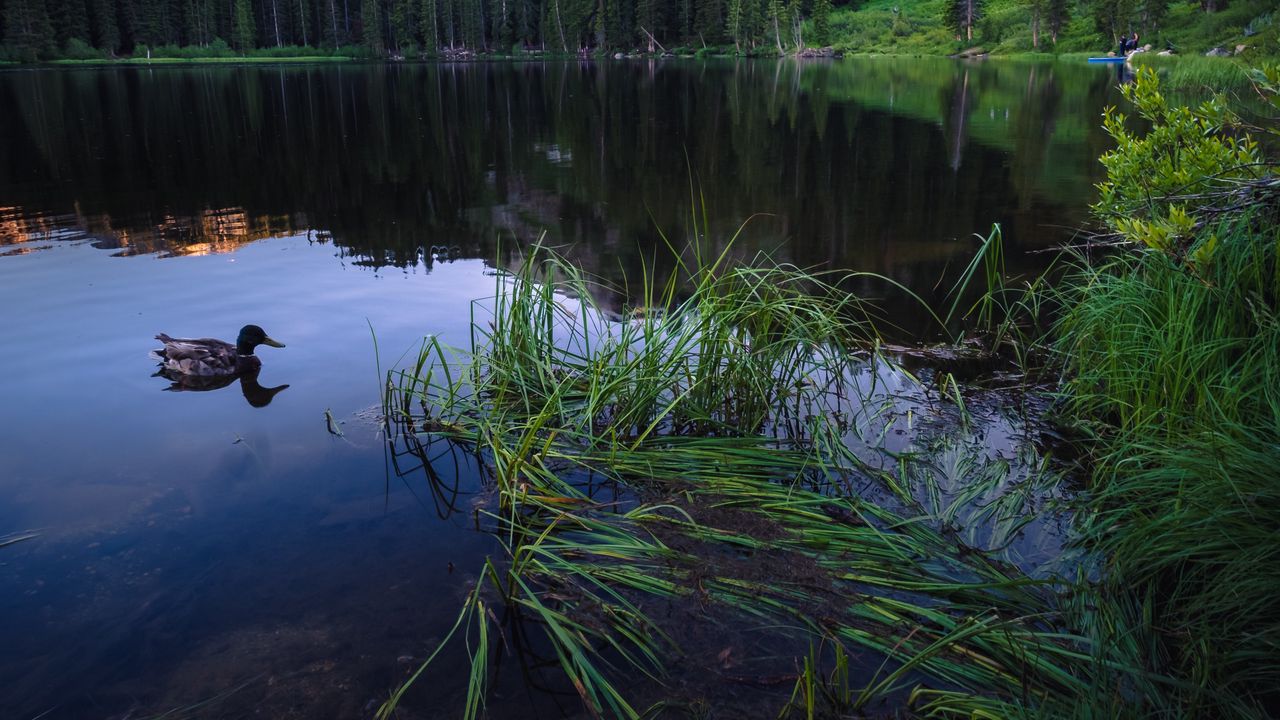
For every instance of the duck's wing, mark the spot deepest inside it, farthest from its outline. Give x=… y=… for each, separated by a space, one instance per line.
x=197 y=356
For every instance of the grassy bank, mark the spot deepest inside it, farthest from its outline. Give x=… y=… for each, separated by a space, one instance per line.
x=1172 y=355
x=1196 y=72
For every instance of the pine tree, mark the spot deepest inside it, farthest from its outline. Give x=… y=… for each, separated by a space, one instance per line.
x=733 y=23
x=708 y=21
x=754 y=27
x=821 y=16
x=1037 y=10
x=332 y=31
x=471 y=22
x=1057 y=15
x=243 y=33
x=448 y=15
x=500 y=24
x=1114 y=18
x=649 y=21
x=777 y=16
x=149 y=22
x=1151 y=14
x=70 y=19
x=400 y=22
x=429 y=27
x=525 y=21
x=200 y=21
x=304 y=19
x=28 y=33
x=106 y=34
x=371 y=26
x=963 y=15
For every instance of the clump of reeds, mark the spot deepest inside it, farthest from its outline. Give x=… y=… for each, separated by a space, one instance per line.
x=1195 y=72
x=739 y=406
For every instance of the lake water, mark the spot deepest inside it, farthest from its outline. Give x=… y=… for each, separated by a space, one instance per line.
x=226 y=552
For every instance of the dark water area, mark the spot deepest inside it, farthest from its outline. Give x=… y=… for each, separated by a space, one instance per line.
x=235 y=558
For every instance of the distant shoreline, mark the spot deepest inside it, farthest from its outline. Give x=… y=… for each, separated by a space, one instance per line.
x=1195 y=62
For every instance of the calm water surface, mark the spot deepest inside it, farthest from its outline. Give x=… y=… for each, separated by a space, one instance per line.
x=195 y=547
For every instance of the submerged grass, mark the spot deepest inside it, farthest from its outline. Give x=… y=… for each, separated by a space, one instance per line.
x=746 y=424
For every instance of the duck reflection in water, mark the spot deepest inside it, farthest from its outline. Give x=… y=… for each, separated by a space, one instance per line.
x=254 y=393
x=207 y=364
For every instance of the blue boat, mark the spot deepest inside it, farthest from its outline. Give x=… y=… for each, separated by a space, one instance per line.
x=1106 y=59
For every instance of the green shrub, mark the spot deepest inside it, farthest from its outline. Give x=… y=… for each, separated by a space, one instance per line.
x=219 y=48
x=77 y=49
x=353 y=51
x=1152 y=179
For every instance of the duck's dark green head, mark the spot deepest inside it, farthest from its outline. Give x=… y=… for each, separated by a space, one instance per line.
x=251 y=336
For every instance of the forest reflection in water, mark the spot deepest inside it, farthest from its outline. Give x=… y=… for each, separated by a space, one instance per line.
x=877 y=165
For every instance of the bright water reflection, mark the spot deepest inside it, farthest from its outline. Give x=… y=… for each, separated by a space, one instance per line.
x=192 y=543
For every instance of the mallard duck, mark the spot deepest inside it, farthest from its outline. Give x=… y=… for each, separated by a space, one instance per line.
x=206 y=357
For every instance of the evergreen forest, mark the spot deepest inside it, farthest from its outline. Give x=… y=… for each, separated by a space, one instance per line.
x=95 y=30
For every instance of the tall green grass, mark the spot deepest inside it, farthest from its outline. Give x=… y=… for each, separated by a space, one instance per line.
x=1175 y=372
x=746 y=421
x=1195 y=72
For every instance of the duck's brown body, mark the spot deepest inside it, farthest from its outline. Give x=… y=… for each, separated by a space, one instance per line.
x=208 y=357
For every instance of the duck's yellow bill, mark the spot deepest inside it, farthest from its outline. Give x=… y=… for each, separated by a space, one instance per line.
x=272 y=343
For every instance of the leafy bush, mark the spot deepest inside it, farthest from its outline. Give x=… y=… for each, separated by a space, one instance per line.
x=77 y=49
x=220 y=48
x=1154 y=180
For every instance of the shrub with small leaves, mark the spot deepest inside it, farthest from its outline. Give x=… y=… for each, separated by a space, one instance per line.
x=1161 y=185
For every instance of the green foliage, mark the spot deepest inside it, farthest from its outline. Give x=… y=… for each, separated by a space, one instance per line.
x=28 y=32
x=821 y=17
x=1267 y=80
x=1154 y=180
x=77 y=49
x=963 y=15
x=34 y=30
x=1172 y=360
x=242 y=29
x=220 y=48
x=1196 y=73
x=371 y=27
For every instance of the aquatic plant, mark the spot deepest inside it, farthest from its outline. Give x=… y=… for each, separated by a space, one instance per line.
x=743 y=426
